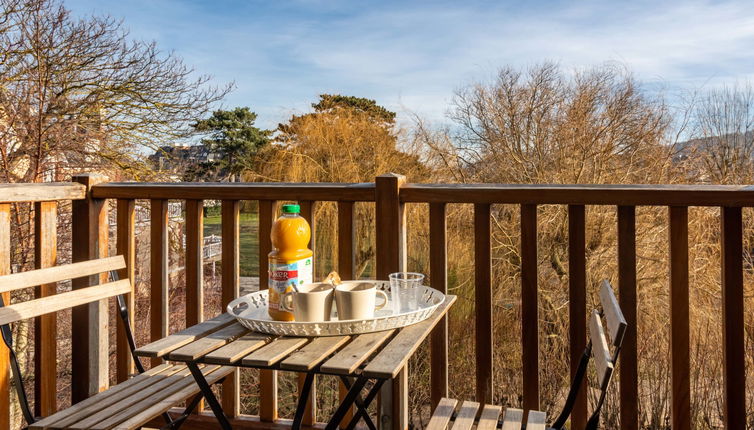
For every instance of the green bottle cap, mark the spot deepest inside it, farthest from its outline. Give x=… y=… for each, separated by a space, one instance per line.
x=291 y=209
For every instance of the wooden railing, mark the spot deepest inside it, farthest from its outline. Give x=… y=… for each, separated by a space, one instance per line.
x=390 y=193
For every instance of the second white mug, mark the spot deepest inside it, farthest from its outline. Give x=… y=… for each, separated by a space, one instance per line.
x=356 y=300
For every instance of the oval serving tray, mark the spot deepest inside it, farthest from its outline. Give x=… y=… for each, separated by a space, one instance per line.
x=251 y=311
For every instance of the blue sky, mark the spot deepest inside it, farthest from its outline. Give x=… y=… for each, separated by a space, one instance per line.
x=412 y=55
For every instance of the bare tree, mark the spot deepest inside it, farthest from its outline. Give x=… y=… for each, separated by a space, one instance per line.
x=723 y=135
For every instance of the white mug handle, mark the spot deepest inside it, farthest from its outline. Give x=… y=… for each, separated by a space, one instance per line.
x=287 y=297
x=384 y=298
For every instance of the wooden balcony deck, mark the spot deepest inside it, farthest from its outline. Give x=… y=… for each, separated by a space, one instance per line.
x=389 y=194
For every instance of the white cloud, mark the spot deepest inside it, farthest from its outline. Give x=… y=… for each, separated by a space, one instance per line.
x=415 y=54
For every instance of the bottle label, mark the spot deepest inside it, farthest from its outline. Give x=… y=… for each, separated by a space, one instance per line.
x=283 y=275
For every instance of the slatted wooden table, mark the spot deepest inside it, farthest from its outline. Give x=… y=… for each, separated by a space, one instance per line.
x=356 y=360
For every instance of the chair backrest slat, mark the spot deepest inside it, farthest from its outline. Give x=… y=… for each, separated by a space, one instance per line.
x=616 y=323
x=50 y=275
x=602 y=358
x=49 y=304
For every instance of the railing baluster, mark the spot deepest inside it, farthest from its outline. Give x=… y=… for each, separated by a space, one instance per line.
x=483 y=302
x=194 y=262
x=90 y=323
x=529 y=311
x=734 y=365
x=126 y=246
x=679 y=317
x=4 y=356
x=231 y=230
x=310 y=413
x=158 y=271
x=438 y=271
x=390 y=247
x=268 y=383
x=194 y=267
x=629 y=391
x=577 y=303
x=45 y=326
x=346 y=270
x=345 y=240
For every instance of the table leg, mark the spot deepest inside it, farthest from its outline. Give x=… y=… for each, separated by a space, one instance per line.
x=347 y=403
x=303 y=397
x=209 y=396
x=362 y=405
x=363 y=412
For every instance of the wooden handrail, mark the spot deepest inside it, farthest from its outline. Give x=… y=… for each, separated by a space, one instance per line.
x=41 y=192
x=236 y=191
x=627 y=195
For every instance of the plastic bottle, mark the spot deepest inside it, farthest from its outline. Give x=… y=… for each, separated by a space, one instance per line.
x=291 y=260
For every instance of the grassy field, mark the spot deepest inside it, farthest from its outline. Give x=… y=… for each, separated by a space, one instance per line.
x=249 y=246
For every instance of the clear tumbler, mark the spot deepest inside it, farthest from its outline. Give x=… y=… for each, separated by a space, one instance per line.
x=404 y=291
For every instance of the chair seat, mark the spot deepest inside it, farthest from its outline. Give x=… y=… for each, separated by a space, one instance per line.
x=486 y=418
x=131 y=404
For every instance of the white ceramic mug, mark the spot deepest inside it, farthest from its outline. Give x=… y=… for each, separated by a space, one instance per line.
x=356 y=300
x=311 y=303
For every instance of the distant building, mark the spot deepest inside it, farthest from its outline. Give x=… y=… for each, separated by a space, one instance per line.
x=179 y=158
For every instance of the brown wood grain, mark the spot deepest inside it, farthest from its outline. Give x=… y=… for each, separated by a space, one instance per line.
x=41 y=192
x=483 y=302
x=158 y=272
x=577 y=303
x=346 y=263
x=231 y=231
x=89 y=348
x=627 y=195
x=529 y=311
x=390 y=246
x=194 y=262
x=438 y=271
x=629 y=368
x=238 y=191
x=679 y=318
x=345 y=240
x=734 y=365
x=4 y=355
x=268 y=382
x=194 y=268
x=390 y=232
x=45 y=326
x=126 y=247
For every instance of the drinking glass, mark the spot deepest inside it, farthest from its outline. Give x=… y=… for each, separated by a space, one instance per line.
x=404 y=291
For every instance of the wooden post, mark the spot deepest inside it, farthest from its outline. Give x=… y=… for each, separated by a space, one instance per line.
x=529 y=307
x=126 y=246
x=158 y=272
x=679 y=318
x=346 y=270
x=438 y=271
x=629 y=368
x=268 y=381
x=4 y=355
x=483 y=302
x=231 y=229
x=45 y=326
x=577 y=303
x=89 y=322
x=194 y=268
x=734 y=364
x=391 y=257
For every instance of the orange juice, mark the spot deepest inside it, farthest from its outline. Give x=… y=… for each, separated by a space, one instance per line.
x=291 y=260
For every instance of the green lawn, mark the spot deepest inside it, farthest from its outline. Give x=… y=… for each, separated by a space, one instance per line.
x=249 y=247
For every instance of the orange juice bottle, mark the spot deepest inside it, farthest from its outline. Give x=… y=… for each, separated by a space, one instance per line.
x=291 y=260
